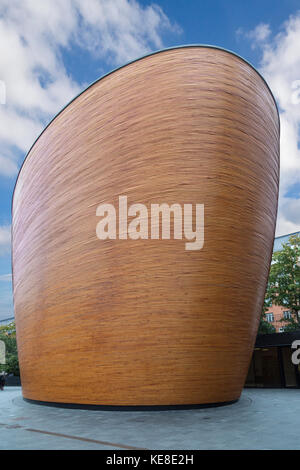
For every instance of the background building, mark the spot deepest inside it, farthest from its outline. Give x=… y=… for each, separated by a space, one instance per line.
x=276 y=312
x=6 y=321
x=271 y=365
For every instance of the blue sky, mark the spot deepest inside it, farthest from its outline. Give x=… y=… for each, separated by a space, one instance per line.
x=51 y=50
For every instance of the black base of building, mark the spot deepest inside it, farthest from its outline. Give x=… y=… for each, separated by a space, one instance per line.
x=80 y=406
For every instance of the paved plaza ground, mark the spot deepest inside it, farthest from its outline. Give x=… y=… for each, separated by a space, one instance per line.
x=262 y=419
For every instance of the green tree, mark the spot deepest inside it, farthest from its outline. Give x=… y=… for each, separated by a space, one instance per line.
x=284 y=281
x=8 y=335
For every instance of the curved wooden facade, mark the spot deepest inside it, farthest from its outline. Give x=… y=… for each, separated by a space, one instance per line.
x=146 y=322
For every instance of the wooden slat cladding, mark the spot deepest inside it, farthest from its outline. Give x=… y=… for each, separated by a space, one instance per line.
x=146 y=322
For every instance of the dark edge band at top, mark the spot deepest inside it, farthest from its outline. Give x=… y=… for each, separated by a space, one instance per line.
x=82 y=406
x=208 y=46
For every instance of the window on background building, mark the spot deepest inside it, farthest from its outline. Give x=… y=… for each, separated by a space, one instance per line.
x=270 y=317
x=287 y=315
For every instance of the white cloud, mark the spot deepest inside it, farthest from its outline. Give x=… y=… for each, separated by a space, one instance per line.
x=280 y=65
x=4 y=239
x=33 y=37
x=260 y=33
x=122 y=29
x=257 y=36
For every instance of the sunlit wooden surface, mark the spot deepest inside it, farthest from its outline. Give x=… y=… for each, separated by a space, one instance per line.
x=145 y=322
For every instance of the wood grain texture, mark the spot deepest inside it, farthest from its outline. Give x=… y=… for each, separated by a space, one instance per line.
x=145 y=322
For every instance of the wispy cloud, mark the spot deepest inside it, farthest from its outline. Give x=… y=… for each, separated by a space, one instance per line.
x=280 y=65
x=4 y=239
x=5 y=277
x=260 y=34
x=257 y=36
x=33 y=37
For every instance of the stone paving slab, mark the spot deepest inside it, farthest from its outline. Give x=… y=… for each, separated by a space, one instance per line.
x=261 y=419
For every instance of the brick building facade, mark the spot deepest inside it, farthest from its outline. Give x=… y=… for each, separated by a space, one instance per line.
x=275 y=313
